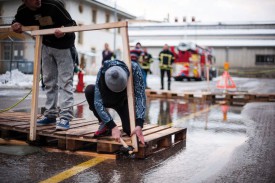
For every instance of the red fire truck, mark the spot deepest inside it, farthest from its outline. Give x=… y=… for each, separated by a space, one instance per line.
x=190 y=62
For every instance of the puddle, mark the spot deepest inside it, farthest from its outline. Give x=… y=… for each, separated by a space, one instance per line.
x=213 y=133
x=18 y=150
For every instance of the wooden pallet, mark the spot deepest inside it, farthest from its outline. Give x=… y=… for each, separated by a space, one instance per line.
x=233 y=97
x=81 y=135
x=162 y=94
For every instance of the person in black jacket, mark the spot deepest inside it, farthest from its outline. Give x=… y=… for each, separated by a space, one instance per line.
x=107 y=54
x=57 y=61
x=110 y=91
x=166 y=59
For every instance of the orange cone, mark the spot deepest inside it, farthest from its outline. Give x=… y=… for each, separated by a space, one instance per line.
x=226 y=82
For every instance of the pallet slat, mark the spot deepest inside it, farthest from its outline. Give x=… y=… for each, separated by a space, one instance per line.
x=81 y=133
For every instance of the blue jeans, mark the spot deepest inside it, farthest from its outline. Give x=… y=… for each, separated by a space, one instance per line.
x=144 y=74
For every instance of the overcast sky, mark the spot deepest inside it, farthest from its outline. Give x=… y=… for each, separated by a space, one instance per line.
x=203 y=10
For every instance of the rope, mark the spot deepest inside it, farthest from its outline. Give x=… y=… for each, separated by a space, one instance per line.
x=16 y=104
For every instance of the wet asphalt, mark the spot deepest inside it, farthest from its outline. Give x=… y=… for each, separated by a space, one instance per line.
x=237 y=146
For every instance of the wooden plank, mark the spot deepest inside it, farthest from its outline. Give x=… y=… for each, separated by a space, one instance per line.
x=13 y=124
x=154 y=130
x=147 y=129
x=162 y=134
x=77 y=129
x=49 y=127
x=181 y=135
x=165 y=142
x=107 y=148
x=24 y=28
x=73 y=145
x=81 y=132
x=91 y=27
x=130 y=88
x=10 y=119
x=151 y=130
x=35 y=87
x=57 y=132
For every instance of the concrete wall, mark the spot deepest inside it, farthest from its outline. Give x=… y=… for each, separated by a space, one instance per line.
x=242 y=57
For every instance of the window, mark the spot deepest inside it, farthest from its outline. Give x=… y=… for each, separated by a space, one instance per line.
x=7 y=51
x=118 y=29
x=80 y=36
x=94 y=14
x=80 y=8
x=107 y=17
x=265 y=59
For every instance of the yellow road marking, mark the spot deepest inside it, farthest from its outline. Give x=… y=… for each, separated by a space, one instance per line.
x=74 y=170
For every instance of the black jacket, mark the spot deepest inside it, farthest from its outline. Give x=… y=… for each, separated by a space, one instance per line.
x=51 y=14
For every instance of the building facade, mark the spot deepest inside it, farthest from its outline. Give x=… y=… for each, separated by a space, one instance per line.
x=245 y=45
x=89 y=44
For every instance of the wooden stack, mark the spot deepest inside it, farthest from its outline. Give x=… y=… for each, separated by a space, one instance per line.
x=81 y=135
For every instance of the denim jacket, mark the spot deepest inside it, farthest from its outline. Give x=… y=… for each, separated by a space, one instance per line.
x=139 y=92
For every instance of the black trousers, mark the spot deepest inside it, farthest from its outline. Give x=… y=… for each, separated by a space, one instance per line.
x=120 y=108
x=162 y=72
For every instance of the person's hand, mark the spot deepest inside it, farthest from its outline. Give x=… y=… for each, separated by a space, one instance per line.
x=16 y=27
x=116 y=134
x=58 y=33
x=138 y=132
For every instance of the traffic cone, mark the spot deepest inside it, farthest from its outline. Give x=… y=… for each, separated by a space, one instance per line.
x=80 y=85
x=226 y=82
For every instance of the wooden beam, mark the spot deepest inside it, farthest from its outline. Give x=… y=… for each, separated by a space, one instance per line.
x=130 y=88
x=81 y=28
x=35 y=86
x=24 y=28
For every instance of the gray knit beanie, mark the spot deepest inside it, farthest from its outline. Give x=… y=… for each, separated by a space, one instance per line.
x=116 y=78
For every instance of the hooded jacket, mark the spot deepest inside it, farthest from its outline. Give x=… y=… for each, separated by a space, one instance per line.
x=51 y=14
x=139 y=93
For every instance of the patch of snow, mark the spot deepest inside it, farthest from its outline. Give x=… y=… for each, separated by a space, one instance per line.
x=15 y=79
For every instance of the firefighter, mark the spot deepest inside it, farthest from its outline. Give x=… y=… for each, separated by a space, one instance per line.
x=145 y=66
x=166 y=59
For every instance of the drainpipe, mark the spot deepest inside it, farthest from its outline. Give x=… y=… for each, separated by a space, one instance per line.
x=11 y=55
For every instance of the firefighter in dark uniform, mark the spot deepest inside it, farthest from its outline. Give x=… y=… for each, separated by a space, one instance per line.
x=166 y=59
x=145 y=65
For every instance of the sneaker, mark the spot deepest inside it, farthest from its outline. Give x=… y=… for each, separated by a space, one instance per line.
x=46 y=121
x=103 y=130
x=64 y=124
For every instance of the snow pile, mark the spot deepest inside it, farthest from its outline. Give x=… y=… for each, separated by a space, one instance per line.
x=15 y=79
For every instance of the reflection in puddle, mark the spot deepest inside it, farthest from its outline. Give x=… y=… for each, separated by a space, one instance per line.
x=213 y=133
